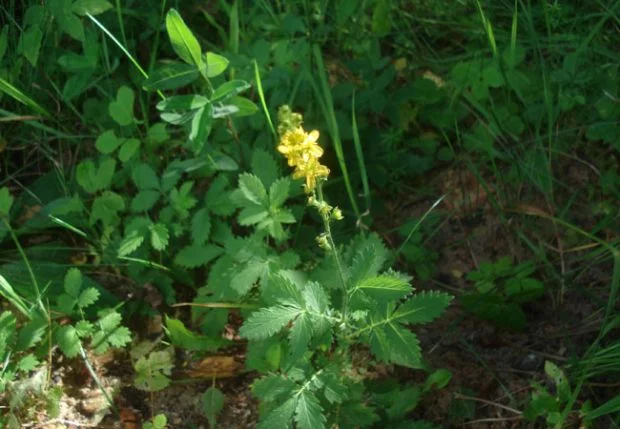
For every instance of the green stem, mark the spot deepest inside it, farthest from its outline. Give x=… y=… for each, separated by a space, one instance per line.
x=332 y=245
x=33 y=278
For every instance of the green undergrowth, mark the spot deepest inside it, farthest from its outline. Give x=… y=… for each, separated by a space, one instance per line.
x=139 y=177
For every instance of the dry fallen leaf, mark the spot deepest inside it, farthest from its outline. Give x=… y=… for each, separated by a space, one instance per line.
x=216 y=367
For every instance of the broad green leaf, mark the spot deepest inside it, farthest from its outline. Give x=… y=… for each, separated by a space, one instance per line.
x=315 y=297
x=145 y=177
x=216 y=64
x=268 y=321
x=245 y=106
x=171 y=76
x=68 y=340
x=218 y=197
x=152 y=372
x=243 y=280
x=279 y=191
x=252 y=215
x=402 y=346
x=384 y=288
x=157 y=134
x=201 y=226
x=200 y=128
x=159 y=236
x=93 y=179
x=253 y=189
x=265 y=167
x=6 y=201
x=93 y=7
x=423 y=307
x=30 y=44
x=196 y=255
x=129 y=149
x=182 y=102
x=66 y=19
x=212 y=403
x=309 y=413
x=107 y=142
x=73 y=282
x=183 y=40
x=121 y=109
x=228 y=89
x=144 y=200
x=182 y=337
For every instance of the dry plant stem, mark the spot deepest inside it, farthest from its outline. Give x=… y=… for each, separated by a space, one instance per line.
x=485 y=401
x=334 y=250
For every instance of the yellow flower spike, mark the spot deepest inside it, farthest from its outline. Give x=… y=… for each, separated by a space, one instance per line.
x=302 y=152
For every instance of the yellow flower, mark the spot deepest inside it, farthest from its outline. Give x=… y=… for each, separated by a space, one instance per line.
x=302 y=151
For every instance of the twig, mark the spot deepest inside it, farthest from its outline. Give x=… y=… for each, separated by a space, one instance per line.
x=493 y=419
x=486 y=401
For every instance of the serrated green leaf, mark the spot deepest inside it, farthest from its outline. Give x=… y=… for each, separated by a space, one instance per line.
x=120 y=337
x=144 y=200
x=423 y=307
x=31 y=333
x=212 y=403
x=253 y=190
x=279 y=417
x=268 y=321
x=84 y=328
x=88 y=297
x=243 y=280
x=252 y=215
x=278 y=192
x=107 y=142
x=367 y=261
x=171 y=76
x=183 y=40
x=68 y=340
x=315 y=297
x=201 y=226
x=216 y=64
x=152 y=372
x=264 y=166
x=272 y=387
x=217 y=199
x=27 y=363
x=182 y=199
x=73 y=282
x=404 y=347
x=196 y=255
x=299 y=337
x=384 y=288
x=130 y=243
x=308 y=412
x=121 y=109
x=159 y=236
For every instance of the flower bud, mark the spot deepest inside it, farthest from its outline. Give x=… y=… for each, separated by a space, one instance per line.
x=337 y=214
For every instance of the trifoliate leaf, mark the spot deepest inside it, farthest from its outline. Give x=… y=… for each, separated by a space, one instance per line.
x=196 y=255
x=268 y=321
x=92 y=178
x=88 y=297
x=309 y=413
x=68 y=340
x=201 y=226
x=73 y=282
x=423 y=307
x=144 y=200
x=279 y=191
x=106 y=208
x=253 y=189
x=152 y=372
x=159 y=236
